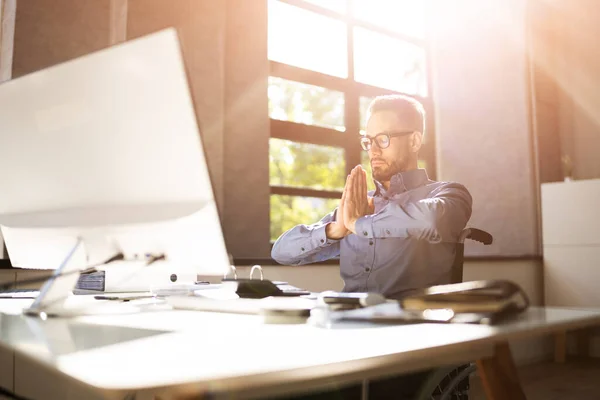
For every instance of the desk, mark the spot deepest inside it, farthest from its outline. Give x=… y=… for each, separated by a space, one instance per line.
x=179 y=354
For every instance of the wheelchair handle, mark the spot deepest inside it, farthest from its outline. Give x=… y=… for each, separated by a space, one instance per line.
x=476 y=234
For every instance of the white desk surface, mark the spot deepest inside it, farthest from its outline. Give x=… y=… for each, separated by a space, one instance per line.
x=176 y=352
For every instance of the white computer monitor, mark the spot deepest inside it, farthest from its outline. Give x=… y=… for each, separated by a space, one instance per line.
x=106 y=149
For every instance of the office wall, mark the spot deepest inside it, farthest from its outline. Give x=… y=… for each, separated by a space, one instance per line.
x=480 y=89
x=566 y=62
x=51 y=32
x=201 y=28
x=545 y=44
x=578 y=76
x=246 y=169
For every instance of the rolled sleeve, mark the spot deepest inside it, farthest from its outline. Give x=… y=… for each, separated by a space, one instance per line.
x=318 y=238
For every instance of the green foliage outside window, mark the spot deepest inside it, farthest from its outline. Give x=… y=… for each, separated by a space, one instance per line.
x=289 y=211
x=304 y=165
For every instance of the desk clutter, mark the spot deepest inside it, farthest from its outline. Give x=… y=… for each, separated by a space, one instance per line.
x=477 y=302
x=487 y=302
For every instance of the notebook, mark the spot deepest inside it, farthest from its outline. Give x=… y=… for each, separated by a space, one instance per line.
x=486 y=302
x=484 y=296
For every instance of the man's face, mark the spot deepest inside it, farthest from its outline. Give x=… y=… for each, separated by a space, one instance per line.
x=387 y=162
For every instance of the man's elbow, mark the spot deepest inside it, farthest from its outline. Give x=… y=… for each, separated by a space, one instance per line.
x=281 y=257
x=449 y=228
x=276 y=253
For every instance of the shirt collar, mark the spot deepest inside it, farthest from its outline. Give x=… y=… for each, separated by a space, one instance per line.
x=403 y=181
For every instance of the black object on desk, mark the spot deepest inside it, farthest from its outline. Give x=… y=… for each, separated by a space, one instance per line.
x=260 y=288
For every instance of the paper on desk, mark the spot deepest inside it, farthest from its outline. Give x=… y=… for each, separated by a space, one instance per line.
x=20 y=295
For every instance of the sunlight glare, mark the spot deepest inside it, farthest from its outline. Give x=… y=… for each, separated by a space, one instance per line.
x=307 y=40
x=387 y=62
x=338 y=6
x=402 y=16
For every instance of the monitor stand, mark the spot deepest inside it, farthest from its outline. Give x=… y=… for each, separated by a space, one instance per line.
x=56 y=300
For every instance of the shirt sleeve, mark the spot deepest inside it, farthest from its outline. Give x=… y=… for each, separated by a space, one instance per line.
x=438 y=218
x=306 y=244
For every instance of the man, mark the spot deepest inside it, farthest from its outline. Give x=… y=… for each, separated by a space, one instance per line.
x=402 y=235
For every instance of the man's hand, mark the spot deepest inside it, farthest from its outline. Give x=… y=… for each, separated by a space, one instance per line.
x=356 y=203
x=371 y=209
x=337 y=229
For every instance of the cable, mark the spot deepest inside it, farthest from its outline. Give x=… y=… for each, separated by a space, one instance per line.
x=153 y=259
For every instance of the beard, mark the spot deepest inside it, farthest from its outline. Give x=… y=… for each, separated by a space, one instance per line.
x=384 y=173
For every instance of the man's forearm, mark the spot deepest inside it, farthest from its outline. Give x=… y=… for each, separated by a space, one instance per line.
x=305 y=244
x=433 y=219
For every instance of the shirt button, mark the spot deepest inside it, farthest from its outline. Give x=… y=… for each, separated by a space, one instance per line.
x=322 y=240
x=387 y=231
x=302 y=249
x=367 y=269
x=365 y=233
x=371 y=242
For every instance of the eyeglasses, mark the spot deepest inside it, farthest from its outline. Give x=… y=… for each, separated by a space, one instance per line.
x=381 y=139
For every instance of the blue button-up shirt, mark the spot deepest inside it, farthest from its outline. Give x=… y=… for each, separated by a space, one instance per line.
x=408 y=243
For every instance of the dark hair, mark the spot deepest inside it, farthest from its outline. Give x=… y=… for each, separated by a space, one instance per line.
x=406 y=107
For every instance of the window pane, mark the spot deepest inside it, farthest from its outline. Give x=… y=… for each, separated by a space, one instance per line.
x=403 y=16
x=307 y=40
x=305 y=165
x=334 y=5
x=390 y=63
x=289 y=211
x=363 y=105
x=364 y=160
x=305 y=104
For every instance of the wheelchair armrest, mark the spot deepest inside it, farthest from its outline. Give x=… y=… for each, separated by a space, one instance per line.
x=476 y=234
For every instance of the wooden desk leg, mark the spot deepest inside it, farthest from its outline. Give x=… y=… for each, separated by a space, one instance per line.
x=583 y=343
x=560 y=347
x=499 y=375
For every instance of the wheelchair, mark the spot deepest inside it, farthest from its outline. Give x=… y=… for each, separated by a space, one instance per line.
x=452 y=383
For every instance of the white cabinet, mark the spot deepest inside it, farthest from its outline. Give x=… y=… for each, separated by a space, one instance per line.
x=571 y=248
x=571 y=243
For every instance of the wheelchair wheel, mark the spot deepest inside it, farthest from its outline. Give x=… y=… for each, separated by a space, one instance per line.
x=450 y=383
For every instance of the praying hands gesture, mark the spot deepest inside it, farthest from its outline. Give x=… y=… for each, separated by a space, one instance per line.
x=357 y=204
x=354 y=204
